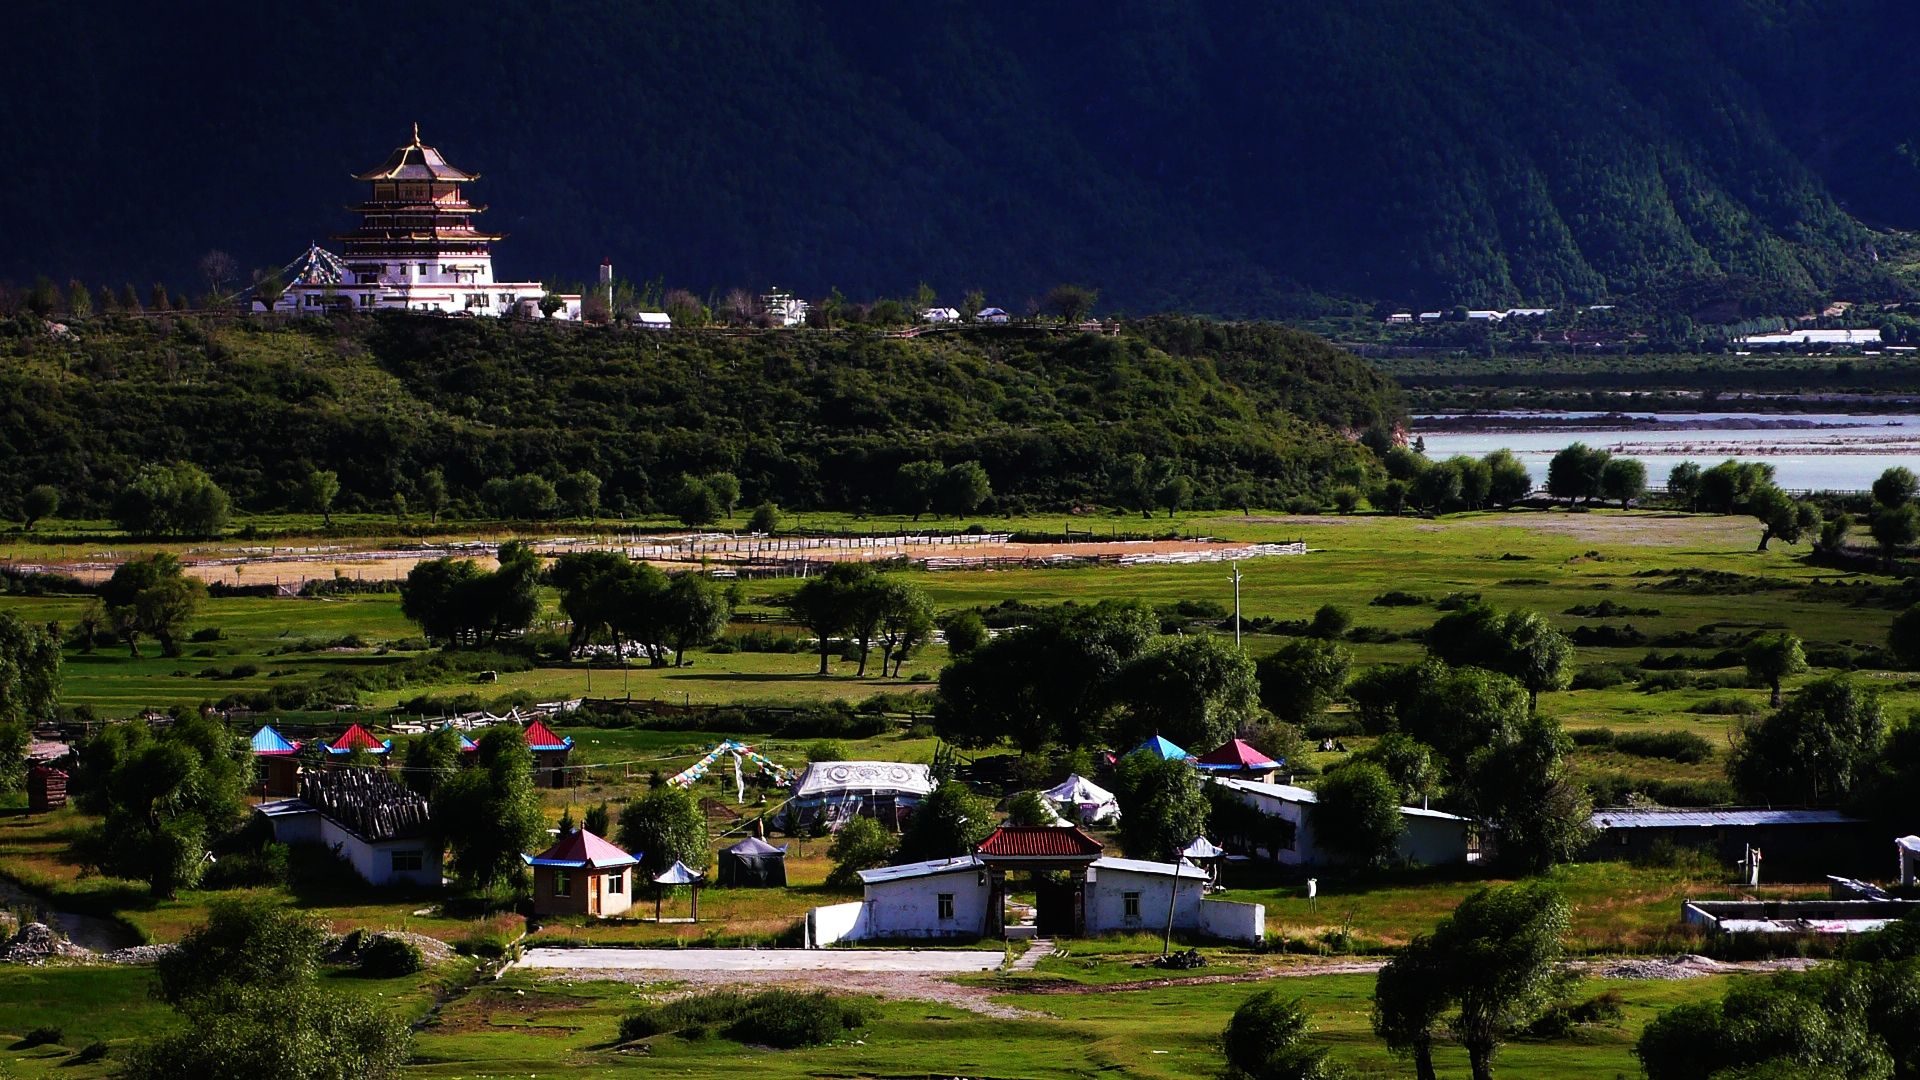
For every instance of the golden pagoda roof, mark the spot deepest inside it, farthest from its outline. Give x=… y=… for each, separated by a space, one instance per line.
x=416 y=161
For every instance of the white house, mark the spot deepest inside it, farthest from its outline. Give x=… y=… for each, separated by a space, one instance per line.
x=785 y=309
x=1485 y=315
x=1400 y=317
x=940 y=315
x=1431 y=316
x=1529 y=312
x=652 y=320
x=939 y=898
x=1813 y=337
x=382 y=833
x=1430 y=837
x=991 y=315
x=958 y=898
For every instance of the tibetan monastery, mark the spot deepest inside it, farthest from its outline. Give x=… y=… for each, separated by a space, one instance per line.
x=415 y=249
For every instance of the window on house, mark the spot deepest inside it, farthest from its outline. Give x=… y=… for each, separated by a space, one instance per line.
x=562 y=883
x=946 y=906
x=1131 y=904
x=407 y=861
x=617 y=883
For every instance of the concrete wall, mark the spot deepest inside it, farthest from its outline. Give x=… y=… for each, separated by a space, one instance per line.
x=1433 y=841
x=836 y=923
x=580 y=892
x=374 y=861
x=296 y=828
x=1302 y=852
x=910 y=908
x=1230 y=921
x=1106 y=901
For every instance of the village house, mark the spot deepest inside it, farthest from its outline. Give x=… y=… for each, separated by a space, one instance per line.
x=1794 y=845
x=581 y=874
x=382 y=829
x=1429 y=837
x=991 y=315
x=550 y=755
x=276 y=763
x=940 y=315
x=1079 y=892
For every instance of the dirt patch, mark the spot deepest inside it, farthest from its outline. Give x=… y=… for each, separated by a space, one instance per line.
x=892 y=985
x=1687 y=966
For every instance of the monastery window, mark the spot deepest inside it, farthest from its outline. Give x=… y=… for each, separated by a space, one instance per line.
x=562 y=883
x=946 y=907
x=407 y=862
x=1130 y=906
x=617 y=882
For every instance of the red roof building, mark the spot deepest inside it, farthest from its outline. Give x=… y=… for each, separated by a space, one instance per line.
x=582 y=874
x=1039 y=843
x=550 y=753
x=1235 y=756
x=358 y=738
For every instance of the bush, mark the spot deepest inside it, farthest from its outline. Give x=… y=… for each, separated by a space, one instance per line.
x=1607 y=636
x=1559 y=1021
x=1657 y=681
x=387 y=956
x=41 y=1036
x=1599 y=677
x=90 y=1053
x=825 y=750
x=488 y=939
x=1597 y=736
x=1398 y=598
x=784 y=1019
x=1681 y=746
x=1337 y=726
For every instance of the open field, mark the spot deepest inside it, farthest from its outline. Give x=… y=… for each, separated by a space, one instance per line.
x=524 y=1026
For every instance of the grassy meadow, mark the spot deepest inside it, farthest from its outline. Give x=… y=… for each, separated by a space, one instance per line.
x=1678 y=573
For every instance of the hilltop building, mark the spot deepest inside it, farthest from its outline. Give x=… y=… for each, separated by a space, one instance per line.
x=416 y=249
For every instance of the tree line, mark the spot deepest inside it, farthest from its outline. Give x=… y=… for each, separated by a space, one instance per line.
x=534 y=421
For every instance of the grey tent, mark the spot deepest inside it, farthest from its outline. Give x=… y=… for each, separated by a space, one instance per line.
x=753 y=864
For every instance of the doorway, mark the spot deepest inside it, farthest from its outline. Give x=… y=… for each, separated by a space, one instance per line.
x=1053 y=902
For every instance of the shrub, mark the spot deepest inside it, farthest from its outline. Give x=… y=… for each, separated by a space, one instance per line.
x=387 y=956
x=784 y=1019
x=90 y=1053
x=1597 y=736
x=1559 y=1021
x=41 y=1036
x=1607 y=636
x=1599 y=677
x=488 y=938
x=1681 y=746
x=1337 y=726
x=825 y=750
x=1655 y=682
x=1398 y=598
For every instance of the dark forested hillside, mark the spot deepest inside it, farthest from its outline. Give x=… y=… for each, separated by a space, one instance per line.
x=810 y=419
x=1221 y=157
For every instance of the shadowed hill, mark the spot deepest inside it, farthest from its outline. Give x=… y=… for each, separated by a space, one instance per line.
x=811 y=419
x=1228 y=158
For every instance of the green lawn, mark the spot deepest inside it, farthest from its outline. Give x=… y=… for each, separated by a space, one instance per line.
x=521 y=1027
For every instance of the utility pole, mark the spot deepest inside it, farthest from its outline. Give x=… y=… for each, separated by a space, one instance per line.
x=1236 y=603
x=1166 y=943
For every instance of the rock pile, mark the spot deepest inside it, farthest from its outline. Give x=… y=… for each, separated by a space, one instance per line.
x=36 y=943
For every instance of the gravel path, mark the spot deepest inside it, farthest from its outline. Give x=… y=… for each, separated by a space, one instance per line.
x=766 y=961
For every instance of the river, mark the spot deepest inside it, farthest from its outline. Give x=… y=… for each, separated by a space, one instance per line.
x=1822 y=451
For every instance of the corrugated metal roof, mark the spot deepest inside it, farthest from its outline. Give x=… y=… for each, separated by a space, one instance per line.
x=1039 y=842
x=1289 y=793
x=284 y=808
x=1188 y=871
x=920 y=869
x=1663 y=818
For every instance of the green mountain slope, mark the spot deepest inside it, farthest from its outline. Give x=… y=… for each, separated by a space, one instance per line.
x=812 y=419
x=1227 y=158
